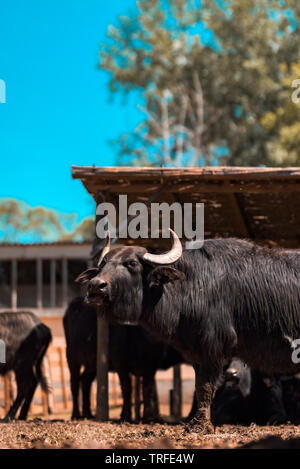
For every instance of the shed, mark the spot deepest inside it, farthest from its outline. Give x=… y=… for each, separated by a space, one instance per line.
x=40 y=276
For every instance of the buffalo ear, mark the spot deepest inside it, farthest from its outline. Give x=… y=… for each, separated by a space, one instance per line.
x=87 y=275
x=162 y=275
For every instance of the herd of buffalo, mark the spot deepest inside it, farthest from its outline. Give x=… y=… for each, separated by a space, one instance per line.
x=229 y=308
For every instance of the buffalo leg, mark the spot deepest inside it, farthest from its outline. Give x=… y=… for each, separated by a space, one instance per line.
x=31 y=387
x=151 y=412
x=155 y=400
x=205 y=392
x=126 y=387
x=75 y=380
x=19 y=399
x=86 y=380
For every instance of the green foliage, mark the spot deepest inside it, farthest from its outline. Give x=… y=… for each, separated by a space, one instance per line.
x=21 y=223
x=202 y=95
x=283 y=125
x=85 y=231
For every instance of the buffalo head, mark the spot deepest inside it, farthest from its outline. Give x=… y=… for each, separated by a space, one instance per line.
x=125 y=276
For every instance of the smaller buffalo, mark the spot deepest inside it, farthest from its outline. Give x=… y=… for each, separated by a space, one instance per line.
x=26 y=341
x=247 y=396
x=231 y=402
x=290 y=391
x=132 y=350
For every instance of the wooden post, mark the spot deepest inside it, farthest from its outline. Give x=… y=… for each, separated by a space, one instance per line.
x=102 y=339
x=102 y=369
x=52 y=283
x=176 y=394
x=14 y=284
x=64 y=281
x=39 y=283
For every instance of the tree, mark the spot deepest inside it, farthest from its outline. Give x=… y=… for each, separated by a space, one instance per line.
x=207 y=76
x=283 y=125
x=84 y=231
x=21 y=223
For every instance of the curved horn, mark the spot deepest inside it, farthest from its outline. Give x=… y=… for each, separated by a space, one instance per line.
x=105 y=250
x=169 y=257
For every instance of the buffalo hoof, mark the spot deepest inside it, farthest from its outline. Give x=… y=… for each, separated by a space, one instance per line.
x=76 y=417
x=8 y=420
x=197 y=426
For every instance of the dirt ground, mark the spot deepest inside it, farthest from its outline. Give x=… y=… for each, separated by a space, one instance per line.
x=88 y=434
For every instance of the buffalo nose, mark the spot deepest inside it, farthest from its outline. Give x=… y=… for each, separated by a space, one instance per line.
x=97 y=286
x=102 y=285
x=231 y=373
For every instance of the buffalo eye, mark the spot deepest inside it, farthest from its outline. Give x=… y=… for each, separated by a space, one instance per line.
x=131 y=264
x=164 y=274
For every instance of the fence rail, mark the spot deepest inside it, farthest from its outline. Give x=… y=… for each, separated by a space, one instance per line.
x=59 y=399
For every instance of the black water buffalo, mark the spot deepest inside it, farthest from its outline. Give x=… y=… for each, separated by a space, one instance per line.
x=132 y=350
x=245 y=396
x=229 y=405
x=291 y=397
x=26 y=340
x=227 y=298
x=231 y=401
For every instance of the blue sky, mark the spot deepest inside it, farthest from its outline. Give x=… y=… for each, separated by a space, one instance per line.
x=57 y=111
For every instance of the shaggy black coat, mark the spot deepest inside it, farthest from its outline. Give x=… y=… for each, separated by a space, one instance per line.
x=236 y=299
